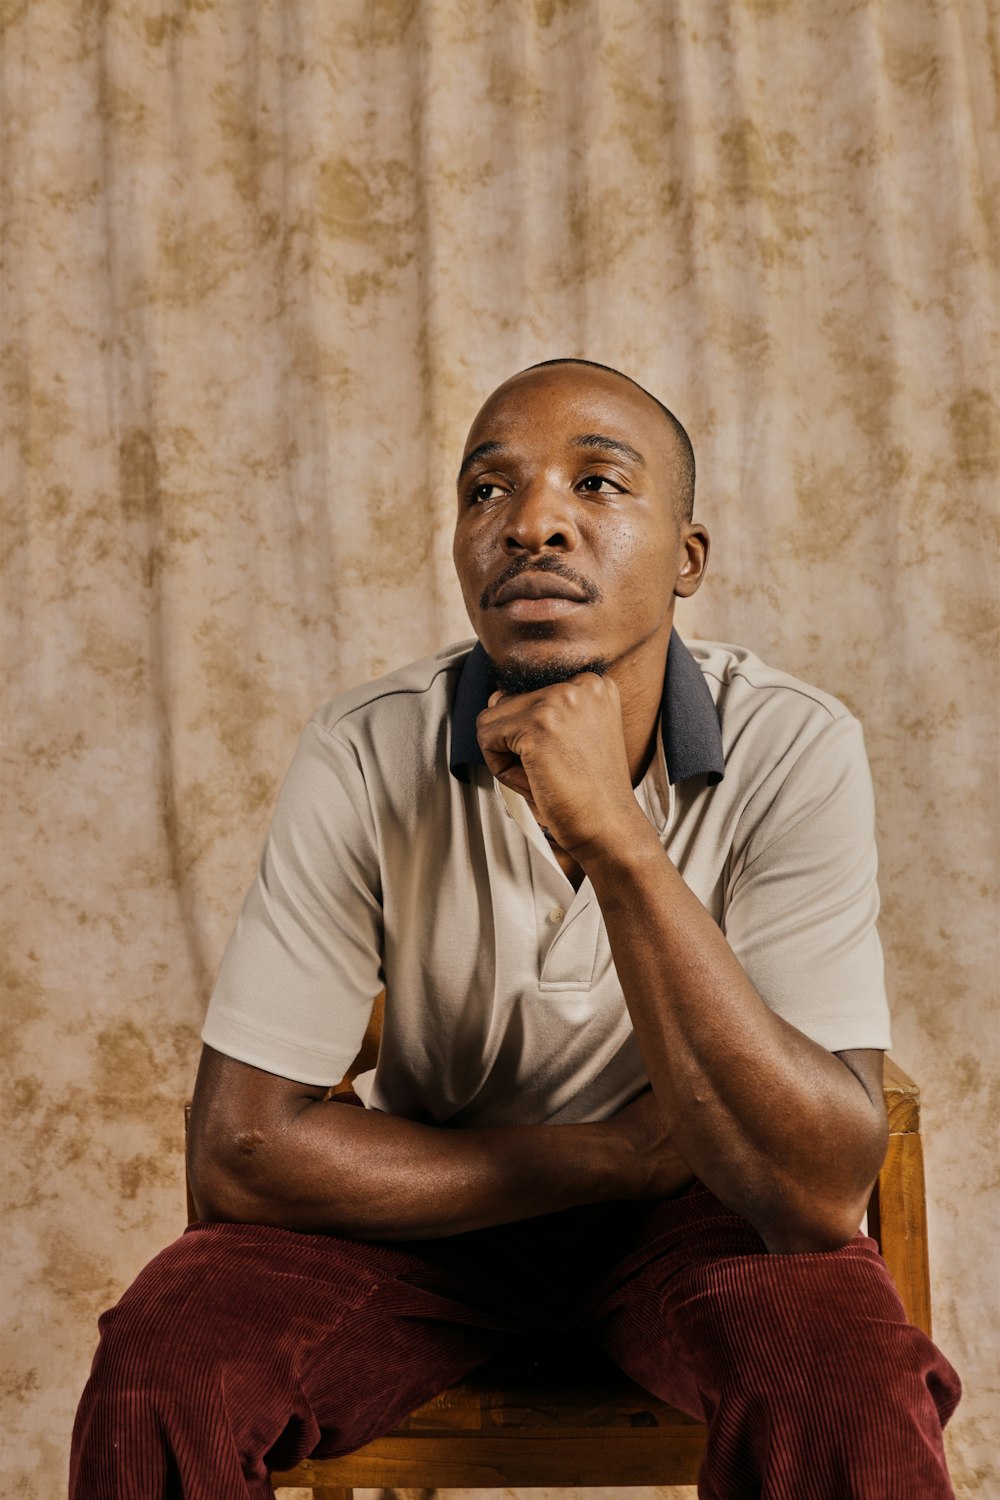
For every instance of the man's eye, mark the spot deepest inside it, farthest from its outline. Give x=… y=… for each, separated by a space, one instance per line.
x=481 y=492
x=599 y=484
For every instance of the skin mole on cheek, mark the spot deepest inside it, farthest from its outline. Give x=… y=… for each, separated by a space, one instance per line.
x=248 y=1141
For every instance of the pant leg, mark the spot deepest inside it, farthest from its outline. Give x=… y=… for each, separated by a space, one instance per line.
x=804 y=1367
x=243 y=1348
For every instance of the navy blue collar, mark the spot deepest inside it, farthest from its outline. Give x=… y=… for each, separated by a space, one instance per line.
x=692 y=739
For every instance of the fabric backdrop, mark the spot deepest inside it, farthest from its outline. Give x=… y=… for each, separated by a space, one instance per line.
x=262 y=263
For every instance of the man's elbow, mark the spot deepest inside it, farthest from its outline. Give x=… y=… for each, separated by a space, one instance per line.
x=230 y=1180
x=823 y=1209
x=815 y=1226
x=815 y=1236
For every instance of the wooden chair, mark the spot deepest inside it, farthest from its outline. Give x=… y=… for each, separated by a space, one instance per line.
x=575 y=1419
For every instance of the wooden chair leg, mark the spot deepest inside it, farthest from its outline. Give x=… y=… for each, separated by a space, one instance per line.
x=327 y=1492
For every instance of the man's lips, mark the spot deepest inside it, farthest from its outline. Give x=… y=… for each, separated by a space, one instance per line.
x=548 y=607
x=538 y=586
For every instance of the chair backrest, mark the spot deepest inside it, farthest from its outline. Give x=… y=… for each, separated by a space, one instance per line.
x=897 y=1212
x=368 y=1054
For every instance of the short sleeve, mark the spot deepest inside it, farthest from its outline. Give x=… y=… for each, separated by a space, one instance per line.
x=303 y=967
x=803 y=905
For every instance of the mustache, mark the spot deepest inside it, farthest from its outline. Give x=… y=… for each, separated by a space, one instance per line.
x=545 y=564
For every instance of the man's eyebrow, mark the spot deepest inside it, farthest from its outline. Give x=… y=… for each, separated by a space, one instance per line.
x=599 y=440
x=584 y=440
x=483 y=450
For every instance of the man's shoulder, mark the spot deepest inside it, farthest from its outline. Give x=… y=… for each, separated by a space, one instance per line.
x=740 y=681
x=768 y=717
x=420 y=690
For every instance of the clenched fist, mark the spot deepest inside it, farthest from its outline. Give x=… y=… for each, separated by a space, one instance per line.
x=563 y=749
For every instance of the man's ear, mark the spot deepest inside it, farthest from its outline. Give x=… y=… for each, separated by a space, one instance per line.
x=695 y=546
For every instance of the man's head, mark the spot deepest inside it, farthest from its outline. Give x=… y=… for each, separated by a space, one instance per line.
x=574 y=532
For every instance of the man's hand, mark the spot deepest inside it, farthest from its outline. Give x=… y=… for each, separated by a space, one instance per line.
x=563 y=749
x=660 y=1170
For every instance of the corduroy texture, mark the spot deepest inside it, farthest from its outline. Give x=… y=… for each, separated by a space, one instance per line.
x=242 y=1347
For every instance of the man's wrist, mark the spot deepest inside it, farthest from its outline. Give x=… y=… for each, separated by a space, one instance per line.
x=619 y=1169
x=632 y=846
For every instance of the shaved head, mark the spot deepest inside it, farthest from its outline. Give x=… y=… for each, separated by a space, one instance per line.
x=682 y=449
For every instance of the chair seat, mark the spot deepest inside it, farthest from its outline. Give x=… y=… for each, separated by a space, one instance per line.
x=570 y=1418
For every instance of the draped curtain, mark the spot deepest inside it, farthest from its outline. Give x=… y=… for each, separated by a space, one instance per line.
x=262 y=261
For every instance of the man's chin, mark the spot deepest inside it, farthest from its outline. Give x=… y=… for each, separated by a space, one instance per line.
x=520 y=673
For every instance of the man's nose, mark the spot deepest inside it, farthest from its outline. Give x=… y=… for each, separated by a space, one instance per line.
x=539 y=519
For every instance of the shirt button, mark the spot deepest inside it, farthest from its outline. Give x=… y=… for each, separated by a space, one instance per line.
x=556 y=914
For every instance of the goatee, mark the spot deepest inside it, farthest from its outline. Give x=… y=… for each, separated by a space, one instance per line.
x=528 y=677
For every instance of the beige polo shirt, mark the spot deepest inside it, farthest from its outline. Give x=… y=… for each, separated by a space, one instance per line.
x=395 y=859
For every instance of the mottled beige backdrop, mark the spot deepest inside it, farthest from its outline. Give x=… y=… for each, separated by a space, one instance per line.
x=262 y=261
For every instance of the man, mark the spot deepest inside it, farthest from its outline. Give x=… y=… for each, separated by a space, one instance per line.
x=622 y=900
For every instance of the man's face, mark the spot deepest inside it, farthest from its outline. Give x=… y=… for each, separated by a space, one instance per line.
x=568 y=544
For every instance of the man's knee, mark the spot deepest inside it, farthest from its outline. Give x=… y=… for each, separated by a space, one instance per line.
x=813 y=1300
x=834 y=1317
x=177 y=1318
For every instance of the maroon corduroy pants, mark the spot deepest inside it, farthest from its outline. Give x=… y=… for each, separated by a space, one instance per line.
x=242 y=1349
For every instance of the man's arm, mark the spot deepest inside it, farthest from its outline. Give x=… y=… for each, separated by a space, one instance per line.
x=784 y=1132
x=788 y=1134
x=267 y=1150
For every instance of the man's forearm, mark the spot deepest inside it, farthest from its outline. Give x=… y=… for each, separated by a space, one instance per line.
x=266 y=1150
x=374 y=1176
x=777 y=1127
